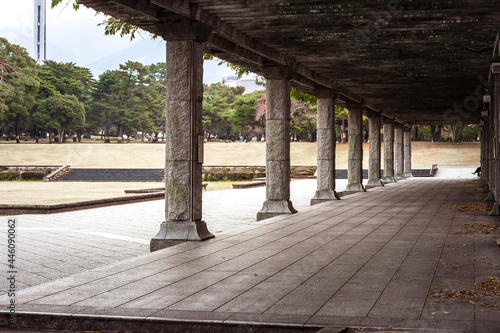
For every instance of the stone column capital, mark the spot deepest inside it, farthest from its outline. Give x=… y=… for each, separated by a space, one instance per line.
x=398 y=125
x=277 y=72
x=185 y=30
x=407 y=129
x=324 y=92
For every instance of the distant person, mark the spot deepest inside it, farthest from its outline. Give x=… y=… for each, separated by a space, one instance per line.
x=477 y=172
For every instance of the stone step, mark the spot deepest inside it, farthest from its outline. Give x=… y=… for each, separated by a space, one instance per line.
x=112 y=175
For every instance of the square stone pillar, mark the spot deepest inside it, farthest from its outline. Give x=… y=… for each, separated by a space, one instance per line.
x=407 y=151
x=483 y=150
x=490 y=166
x=355 y=150
x=326 y=142
x=184 y=146
x=374 y=166
x=398 y=152
x=495 y=112
x=486 y=158
x=278 y=105
x=388 y=151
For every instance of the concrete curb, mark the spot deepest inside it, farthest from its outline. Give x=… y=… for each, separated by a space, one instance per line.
x=143 y=324
x=6 y=209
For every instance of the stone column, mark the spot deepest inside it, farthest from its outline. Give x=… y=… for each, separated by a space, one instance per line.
x=495 y=112
x=374 y=166
x=485 y=161
x=491 y=155
x=407 y=151
x=184 y=140
x=278 y=105
x=326 y=142
x=388 y=151
x=483 y=150
x=355 y=150
x=398 y=152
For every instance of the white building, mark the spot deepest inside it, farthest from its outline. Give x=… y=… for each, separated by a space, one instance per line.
x=39 y=31
x=248 y=84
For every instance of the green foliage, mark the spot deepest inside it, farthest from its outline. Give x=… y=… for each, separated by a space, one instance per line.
x=217 y=109
x=131 y=97
x=302 y=97
x=424 y=133
x=65 y=78
x=17 y=94
x=470 y=132
x=60 y=113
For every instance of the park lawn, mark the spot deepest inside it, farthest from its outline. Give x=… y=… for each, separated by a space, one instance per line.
x=149 y=155
x=41 y=193
x=152 y=155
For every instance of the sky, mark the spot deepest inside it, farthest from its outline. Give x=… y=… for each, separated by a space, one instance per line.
x=74 y=36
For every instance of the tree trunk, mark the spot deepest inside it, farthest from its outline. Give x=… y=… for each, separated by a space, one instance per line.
x=16 y=128
x=106 y=134
x=344 y=134
x=120 y=134
x=79 y=137
x=61 y=135
x=415 y=133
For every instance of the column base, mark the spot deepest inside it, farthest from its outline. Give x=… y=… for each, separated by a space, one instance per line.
x=272 y=208
x=354 y=187
x=490 y=197
x=399 y=177
x=374 y=183
x=388 y=180
x=323 y=196
x=496 y=210
x=172 y=233
x=407 y=175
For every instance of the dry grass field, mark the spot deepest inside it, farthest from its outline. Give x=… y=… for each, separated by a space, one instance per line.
x=149 y=155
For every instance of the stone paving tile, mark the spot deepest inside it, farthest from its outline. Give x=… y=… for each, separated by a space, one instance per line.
x=315 y=269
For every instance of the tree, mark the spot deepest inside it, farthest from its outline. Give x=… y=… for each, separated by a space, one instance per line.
x=341 y=115
x=454 y=132
x=303 y=120
x=243 y=115
x=130 y=98
x=61 y=79
x=217 y=109
x=436 y=132
x=60 y=113
x=65 y=78
x=17 y=94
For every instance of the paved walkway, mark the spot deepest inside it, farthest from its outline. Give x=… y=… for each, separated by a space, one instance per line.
x=369 y=260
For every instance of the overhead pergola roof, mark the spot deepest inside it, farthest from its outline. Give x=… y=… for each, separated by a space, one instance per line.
x=421 y=61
